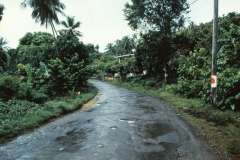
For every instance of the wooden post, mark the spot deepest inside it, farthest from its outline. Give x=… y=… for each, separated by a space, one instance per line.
x=214 y=54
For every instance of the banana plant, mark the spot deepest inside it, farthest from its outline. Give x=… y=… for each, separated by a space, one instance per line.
x=42 y=72
x=28 y=70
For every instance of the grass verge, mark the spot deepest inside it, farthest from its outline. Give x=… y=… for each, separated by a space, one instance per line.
x=12 y=126
x=220 y=128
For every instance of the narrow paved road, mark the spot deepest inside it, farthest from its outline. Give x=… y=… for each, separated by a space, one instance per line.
x=122 y=125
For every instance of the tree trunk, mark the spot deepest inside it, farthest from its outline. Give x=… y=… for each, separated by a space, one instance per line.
x=166 y=79
x=55 y=30
x=55 y=39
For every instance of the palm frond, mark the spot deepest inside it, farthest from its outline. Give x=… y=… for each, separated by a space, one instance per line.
x=77 y=33
x=64 y=24
x=71 y=26
x=77 y=25
x=24 y=4
x=70 y=21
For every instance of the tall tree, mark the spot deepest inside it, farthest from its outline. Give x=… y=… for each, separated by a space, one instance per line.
x=121 y=47
x=128 y=44
x=3 y=53
x=118 y=48
x=1 y=11
x=109 y=48
x=45 y=12
x=157 y=15
x=71 y=26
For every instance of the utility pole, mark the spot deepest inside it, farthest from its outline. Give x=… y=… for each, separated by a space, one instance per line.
x=214 y=54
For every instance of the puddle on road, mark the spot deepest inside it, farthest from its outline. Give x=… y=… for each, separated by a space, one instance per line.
x=130 y=121
x=100 y=146
x=91 y=103
x=113 y=127
x=157 y=129
x=71 y=141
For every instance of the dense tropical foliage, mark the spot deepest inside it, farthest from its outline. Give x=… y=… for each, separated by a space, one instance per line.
x=43 y=73
x=194 y=67
x=38 y=82
x=34 y=68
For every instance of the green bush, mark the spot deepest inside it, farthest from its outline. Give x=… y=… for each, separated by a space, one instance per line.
x=4 y=110
x=24 y=92
x=151 y=82
x=38 y=96
x=8 y=86
x=194 y=68
x=70 y=70
x=194 y=78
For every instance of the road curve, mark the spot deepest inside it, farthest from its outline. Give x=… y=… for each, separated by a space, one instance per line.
x=118 y=125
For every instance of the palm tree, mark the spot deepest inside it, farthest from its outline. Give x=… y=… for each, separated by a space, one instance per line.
x=119 y=48
x=1 y=11
x=109 y=47
x=3 y=42
x=71 y=26
x=128 y=44
x=45 y=12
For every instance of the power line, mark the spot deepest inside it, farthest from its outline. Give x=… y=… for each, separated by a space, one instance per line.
x=193 y=2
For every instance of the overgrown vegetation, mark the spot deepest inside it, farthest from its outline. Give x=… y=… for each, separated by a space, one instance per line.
x=33 y=78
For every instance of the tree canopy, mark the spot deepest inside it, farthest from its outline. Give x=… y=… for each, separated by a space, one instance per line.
x=161 y=15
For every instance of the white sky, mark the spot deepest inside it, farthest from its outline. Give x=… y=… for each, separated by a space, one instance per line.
x=202 y=10
x=102 y=20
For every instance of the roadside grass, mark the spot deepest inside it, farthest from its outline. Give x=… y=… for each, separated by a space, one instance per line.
x=12 y=126
x=220 y=128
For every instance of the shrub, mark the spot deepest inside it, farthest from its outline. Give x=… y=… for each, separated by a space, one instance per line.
x=8 y=86
x=194 y=77
x=38 y=96
x=24 y=92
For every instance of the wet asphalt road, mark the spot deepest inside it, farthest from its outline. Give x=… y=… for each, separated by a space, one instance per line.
x=121 y=125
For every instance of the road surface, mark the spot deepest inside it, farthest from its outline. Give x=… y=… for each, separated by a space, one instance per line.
x=117 y=124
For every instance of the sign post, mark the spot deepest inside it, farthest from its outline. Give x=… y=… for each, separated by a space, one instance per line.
x=214 y=81
x=214 y=54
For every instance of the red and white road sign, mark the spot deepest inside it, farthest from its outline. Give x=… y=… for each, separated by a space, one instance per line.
x=214 y=81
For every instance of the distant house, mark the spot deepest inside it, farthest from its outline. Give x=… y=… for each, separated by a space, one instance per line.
x=129 y=57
